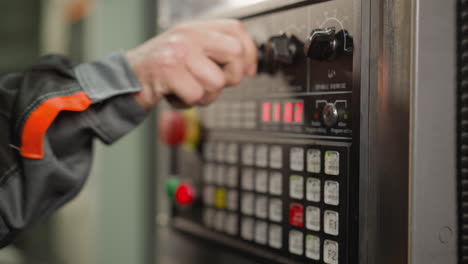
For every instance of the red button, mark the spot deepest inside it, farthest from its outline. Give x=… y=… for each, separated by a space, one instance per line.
x=185 y=194
x=296 y=215
x=172 y=127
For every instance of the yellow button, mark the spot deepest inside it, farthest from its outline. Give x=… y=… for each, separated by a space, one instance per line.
x=220 y=198
x=192 y=136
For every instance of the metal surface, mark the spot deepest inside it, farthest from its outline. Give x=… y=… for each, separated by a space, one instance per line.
x=433 y=223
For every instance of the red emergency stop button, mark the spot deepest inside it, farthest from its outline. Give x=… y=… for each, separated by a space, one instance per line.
x=172 y=127
x=185 y=194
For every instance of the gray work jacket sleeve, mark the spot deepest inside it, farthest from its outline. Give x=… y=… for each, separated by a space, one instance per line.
x=49 y=116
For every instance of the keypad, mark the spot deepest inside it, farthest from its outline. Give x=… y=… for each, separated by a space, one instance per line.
x=284 y=197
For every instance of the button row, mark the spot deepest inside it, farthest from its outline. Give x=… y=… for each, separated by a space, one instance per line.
x=221 y=221
x=221 y=175
x=312 y=247
x=230 y=115
x=261 y=232
x=313 y=218
x=220 y=197
x=313 y=190
x=262 y=207
x=262 y=181
x=314 y=161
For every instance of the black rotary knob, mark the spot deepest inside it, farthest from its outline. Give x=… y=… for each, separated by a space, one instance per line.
x=322 y=44
x=280 y=50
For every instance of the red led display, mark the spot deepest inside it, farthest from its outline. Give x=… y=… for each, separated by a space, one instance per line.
x=288 y=112
x=266 y=112
x=298 y=112
x=277 y=112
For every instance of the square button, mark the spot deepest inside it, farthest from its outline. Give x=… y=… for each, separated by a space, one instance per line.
x=232 y=177
x=313 y=160
x=296 y=187
x=296 y=159
x=220 y=176
x=219 y=219
x=330 y=222
x=313 y=247
x=220 y=151
x=220 y=198
x=261 y=206
x=247 y=228
x=248 y=179
x=330 y=252
x=275 y=236
x=261 y=181
x=276 y=157
x=208 y=173
x=248 y=154
x=276 y=183
x=332 y=162
x=276 y=210
x=208 y=217
x=261 y=231
x=331 y=192
x=313 y=218
x=231 y=156
x=208 y=195
x=296 y=244
x=247 y=203
x=231 y=224
x=313 y=190
x=296 y=215
x=261 y=156
x=208 y=151
x=232 y=199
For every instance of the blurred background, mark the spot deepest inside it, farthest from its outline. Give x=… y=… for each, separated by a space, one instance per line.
x=113 y=218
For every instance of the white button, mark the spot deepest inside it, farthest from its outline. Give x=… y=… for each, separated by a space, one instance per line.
x=220 y=176
x=231 y=224
x=276 y=157
x=261 y=206
x=296 y=160
x=248 y=154
x=330 y=252
x=296 y=186
x=275 y=236
x=313 y=190
x=248 y=179
x=247 y=203
x=232 y=153
x=331 y=193
x=208 y=151
x=247 y=228
x=220 y=151
x=276 y=183
x=296 y=239
x=330 y=224
x=313 y=161
x=208 y=173
x=276 y=210
x=261 y=229
x=232 y=177
x=232 y=198
x=219 y=220
x=261 y=156
x=332 y=162
x=313 y=218
x=208 y=216
x=312 y=247
x=261 y=181
x=208 y=195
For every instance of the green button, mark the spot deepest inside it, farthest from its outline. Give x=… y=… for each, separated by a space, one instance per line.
x=171 y=187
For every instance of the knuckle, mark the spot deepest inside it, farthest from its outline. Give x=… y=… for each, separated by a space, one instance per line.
x=195 y=98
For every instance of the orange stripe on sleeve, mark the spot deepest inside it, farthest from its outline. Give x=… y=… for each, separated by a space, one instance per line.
x=35 y=127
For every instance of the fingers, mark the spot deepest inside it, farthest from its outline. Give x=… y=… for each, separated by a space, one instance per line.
x=206 y=71
x=181 y=83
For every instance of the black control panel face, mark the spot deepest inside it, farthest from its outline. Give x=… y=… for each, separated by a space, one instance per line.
x=275 y=173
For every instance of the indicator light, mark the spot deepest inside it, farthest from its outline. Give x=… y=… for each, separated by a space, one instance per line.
x=298 y=112
x=266 y=112
x=345 y=116
x=185 y=194
x=277 y=112
x=316 y=116
x=288 y=112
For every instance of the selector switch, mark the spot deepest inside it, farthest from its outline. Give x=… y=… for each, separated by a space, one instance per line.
x=279 y=50
x=330 y=115
x=327 y=44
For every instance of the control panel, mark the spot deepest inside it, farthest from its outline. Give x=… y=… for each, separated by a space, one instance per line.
x=270 y=169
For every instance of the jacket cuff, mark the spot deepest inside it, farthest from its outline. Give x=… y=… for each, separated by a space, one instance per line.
x=107 y=77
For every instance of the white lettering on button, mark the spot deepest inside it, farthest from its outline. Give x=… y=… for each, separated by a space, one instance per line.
x=276 y=210
x=330 y=252
x=247 y=203
x=248 y=154
x=296 y=159
x=276 y=157
x=261 y=207
x=232 y=177
x=331 y=224
x=275 y=236
x=332 y=162
x=248 y=179
x=312 y=247
x=313 y=190
x=247 y=228
x=313 y=161
x=261 y=181
x=276 y=183
x=313 y=218
x=261 y=231
x=261 y=156
x=296 y=243
x=296 y=187
x=331 y=191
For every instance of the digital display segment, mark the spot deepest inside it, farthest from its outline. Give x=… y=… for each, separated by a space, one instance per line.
x=287 y=112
